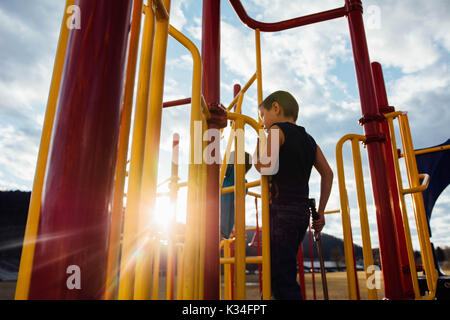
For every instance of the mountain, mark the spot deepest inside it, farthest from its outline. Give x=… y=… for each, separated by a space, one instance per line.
x=13 y=217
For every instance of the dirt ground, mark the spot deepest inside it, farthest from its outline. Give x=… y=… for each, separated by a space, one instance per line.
x=337 y=287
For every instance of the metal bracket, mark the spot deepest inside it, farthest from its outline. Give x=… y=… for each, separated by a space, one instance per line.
x=352 y=5
x=371 y=117
x=218 y=117
x=387 y=109
x=380 y=137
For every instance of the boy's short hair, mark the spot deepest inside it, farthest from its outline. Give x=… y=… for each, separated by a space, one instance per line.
x=286 y=101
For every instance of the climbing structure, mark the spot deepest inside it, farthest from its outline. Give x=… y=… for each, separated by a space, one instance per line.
x=78 y=216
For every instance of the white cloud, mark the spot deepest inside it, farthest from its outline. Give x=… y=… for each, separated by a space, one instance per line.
x=177 y=16
x=410 y=35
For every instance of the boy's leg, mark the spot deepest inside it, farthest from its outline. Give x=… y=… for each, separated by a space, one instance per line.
x=288 y=227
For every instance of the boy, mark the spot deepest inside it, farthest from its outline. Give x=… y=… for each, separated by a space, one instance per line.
x=295 y=153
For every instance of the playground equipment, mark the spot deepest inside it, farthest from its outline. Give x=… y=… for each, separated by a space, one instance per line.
x=77 y=214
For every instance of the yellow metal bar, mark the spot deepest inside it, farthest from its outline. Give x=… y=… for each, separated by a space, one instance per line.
x=259 y=67
x=119 y=184
x=346 y=222
x=205 y=110
x=248 y=185
x=240 y=246
x=161 y=11
x=332 y=211
x=131 y=218
x=191 y=242
x=31 y=230
x=422 y=187
x=265 y=207
x=409 y=246
x=266 y=278
x=256 y=195
x=156 y=257
x=171 y=232
x=227 y=271
x=179 y=271
x=420 y=215
x=248 y=260
x=146 y=266
x=202 y=204
x=431 y=150
x=223 y=166
x=151 y=153
x=242 y=92
x=364 y=220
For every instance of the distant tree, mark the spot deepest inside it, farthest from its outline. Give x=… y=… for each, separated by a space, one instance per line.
x=440 y=254
x=417 y=257
x=376 y=257
x=337 y=256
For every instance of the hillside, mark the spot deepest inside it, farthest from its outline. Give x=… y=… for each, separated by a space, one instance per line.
x=13 y=216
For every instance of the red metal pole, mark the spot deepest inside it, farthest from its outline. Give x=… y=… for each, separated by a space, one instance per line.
x=175 y=103
x=211 y=93
x=383 y=107
x=286 y=24
x=301 y=271
x=74 y=224
x=376 y=154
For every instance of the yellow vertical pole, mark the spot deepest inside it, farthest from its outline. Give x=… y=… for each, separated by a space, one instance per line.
x=265 y=212
x=190 y=250
x=346 y=223
x=227 y=271
x=125 y=123
x=421 y=220
x=223 y=167
x=173 y=200
x=409 y=247
x=151 y=153
x=156 y=260
x=26 y=259
x=259 y=67
x=362 y=203
x=179 y=272
x=267 y=290
x=239 y=199
x=131 y=219
x=202 y=204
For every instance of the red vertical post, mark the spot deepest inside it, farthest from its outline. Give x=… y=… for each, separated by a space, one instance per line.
x=211 y=93
x=383 y=107
x=74 y=226
x=377 y=157
x=301 y=271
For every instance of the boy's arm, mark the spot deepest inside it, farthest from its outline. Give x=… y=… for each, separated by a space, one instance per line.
x=271 y=147
x=326 y=182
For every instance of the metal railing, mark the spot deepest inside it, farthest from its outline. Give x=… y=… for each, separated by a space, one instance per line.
x=352 y=278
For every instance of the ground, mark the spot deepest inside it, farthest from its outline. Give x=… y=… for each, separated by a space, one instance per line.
x=337 y=287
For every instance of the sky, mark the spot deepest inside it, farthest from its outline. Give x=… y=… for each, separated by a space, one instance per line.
x=409 y=38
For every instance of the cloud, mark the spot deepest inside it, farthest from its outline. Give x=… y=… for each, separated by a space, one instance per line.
x=410 y=37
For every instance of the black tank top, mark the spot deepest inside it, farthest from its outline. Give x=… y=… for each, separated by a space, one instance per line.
x=296 y=159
